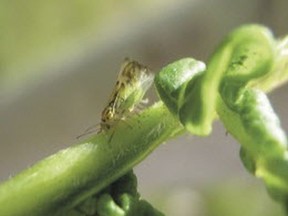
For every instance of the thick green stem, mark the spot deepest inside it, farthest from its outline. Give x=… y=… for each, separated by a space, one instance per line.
x=63 y=180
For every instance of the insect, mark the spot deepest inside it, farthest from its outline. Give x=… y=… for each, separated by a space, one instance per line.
x=134 y=79
x=132 y=83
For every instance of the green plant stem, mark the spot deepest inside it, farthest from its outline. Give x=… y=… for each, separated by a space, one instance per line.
x=68 y=177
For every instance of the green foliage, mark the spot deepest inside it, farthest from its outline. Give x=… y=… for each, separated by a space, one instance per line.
x=118 y=199
x=247 y=54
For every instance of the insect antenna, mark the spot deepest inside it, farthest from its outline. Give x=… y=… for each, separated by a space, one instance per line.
x=90 y=130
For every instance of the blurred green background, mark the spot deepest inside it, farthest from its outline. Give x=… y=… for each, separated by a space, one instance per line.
x=59 y=61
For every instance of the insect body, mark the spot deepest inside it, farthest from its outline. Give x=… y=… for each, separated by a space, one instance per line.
x=132 y=83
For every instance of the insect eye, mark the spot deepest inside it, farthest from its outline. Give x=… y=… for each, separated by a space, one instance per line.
x=109 y=113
